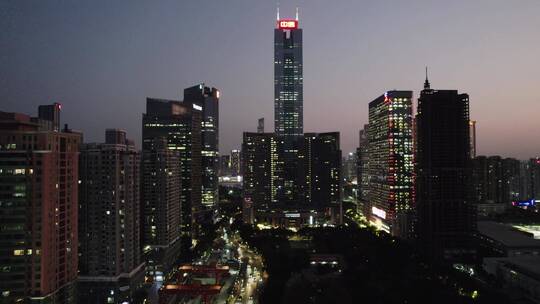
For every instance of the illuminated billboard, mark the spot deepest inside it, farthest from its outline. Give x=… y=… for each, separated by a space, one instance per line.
x=527 y=203
x=287 y=24
x=378 y=212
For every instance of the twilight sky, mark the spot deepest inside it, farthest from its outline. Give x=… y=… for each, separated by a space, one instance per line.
x=101 y=59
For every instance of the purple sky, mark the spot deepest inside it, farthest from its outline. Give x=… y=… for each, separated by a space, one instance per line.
x=101 y=59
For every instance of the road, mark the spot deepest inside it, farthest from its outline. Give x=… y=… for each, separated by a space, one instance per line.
x=243 y=284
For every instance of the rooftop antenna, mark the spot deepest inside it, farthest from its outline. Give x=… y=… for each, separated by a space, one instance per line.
x=296 y=13
x=278 y=12
x=426 y=83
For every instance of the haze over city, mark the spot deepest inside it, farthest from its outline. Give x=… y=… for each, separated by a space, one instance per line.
x=103 y=58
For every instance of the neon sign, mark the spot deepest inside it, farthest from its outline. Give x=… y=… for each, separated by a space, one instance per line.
x=287 y=24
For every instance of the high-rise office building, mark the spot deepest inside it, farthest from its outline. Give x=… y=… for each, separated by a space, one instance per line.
x=349 y=167
x=362 y=156
x=224 y=165
x=321 y=156
x=260 y=125
x=288 y=78
x=236 y=162
x=390 y=170
x=161 y=199
x=110 y=264
x=288 y=103
x=535 y=177
x=180 y=124
x=207 y=99
x=38 y=214
x=472 y=137
x=446 y=214
x=262 y=157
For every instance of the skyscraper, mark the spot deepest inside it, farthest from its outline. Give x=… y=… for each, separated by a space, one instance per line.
x=109 y=221
x=224 y=165
x=260 y=125
x=362 y=167
x=38 y=200
x=208 y=100
x=288 y=78
x=236 y=162
x=262 y=157
x=349 y=167
x=180 y=124
x=390 y=169
x=162 y=212
x=446 y=214
x=288 y=103
x=322 y=167
x=472 y=133
x=534 y=177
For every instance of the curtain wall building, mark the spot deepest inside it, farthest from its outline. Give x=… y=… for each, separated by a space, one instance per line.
x=207 y=99
x=288 y=103
x=288 y=78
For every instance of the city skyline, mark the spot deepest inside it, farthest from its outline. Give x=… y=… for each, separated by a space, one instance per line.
x=142 y=57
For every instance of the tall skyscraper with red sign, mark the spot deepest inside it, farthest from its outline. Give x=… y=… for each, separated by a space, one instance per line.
x=288 y=78
x=288 y=103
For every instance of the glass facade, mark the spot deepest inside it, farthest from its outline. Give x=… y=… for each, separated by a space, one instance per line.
x=288 y=82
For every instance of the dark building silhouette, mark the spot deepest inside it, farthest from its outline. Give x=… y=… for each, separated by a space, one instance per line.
x=38 y=214
x=322 y=169
x=260 y=125
x=533 y=177
x=207 y=99
x=446 y=214
x=390 y=168
x=109 y=220
x=496 y=179
x=224 y=165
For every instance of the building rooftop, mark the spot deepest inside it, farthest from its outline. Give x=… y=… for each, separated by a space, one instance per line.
x=528 y=265
x=507 y=234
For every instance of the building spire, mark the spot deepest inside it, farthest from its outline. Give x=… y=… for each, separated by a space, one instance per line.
x=296 y=13
x=427 y=86
x=277 y=12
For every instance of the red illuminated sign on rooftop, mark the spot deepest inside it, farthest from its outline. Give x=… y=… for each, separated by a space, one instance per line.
x=287 y=24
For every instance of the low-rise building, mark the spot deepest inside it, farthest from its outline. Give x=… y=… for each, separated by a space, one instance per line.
x=519 y=274
x=507 y=240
